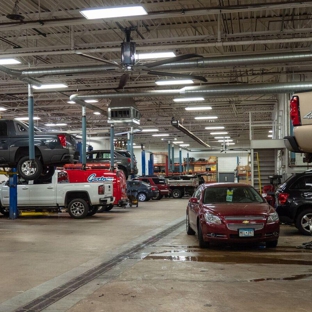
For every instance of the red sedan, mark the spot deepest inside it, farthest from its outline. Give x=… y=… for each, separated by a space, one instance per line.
x=231 y=213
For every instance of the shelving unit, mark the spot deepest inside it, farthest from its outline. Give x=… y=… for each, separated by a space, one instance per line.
x=208 y=169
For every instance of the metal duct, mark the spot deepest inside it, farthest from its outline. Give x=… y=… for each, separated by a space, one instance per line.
x=177 y=125
x=240 y=89
x=240 y=60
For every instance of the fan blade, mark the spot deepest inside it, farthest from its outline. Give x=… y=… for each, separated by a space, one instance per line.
x=123 y=81
x=173 y=60
x=98 y=59
x=201 y=78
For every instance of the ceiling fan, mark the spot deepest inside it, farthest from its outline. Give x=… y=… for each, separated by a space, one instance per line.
x=128 y=62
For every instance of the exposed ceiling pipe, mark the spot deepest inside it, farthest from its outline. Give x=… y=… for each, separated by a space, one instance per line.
x=201 y=63
x=240 y=89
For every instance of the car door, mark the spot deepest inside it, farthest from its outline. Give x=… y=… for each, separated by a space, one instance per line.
x=4 y=143
x=42 y=193
x=22 y=193
x=194 y=209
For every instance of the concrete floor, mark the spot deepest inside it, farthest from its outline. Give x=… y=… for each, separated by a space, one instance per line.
x=40 y=254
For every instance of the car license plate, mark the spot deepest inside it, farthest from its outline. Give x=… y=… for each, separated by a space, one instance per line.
x=246 y=232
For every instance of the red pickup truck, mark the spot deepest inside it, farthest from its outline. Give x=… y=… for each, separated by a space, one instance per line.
x=98 y=173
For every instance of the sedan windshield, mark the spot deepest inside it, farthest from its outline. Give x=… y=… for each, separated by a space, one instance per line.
x=231 y=195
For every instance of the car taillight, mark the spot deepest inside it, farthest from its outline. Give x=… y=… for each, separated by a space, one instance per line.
x=282 y=198
x=154 y=188
x=101 y=189
x=129 y=160
x=295 y=111
x=62 y=138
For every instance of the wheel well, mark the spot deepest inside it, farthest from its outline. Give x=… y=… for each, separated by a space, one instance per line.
x=24 y=151
x=74 y=195
x=302 y=208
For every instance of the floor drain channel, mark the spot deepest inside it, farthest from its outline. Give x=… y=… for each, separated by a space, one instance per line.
x=60 y=292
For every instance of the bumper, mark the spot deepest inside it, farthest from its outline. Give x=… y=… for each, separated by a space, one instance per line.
x=291 y=144
x=122 y=202
x=223 y=235
x=106 y=200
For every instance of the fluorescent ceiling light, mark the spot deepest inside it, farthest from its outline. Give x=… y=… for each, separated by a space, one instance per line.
x=147 y=56
x=9 y=61
x=91 y=101
x=178 y=142
x=270 y=136
x=150 y=130
x=26 y=118
x=138 y=146
x=55 y=125
x=270 y=131
x=97 y=113
x=216 y=133
x=173 y=82
x=197 y=108
x=111 y=12
x=227 y=140
x=214 y=128
x=160 y=134
x=194 y=99
x=71 y=102
x=2 y=109
x=175 y=91
x=184 y=144
x=206 y=117
x=51 y=86
x=222 y=137
x=230 y=143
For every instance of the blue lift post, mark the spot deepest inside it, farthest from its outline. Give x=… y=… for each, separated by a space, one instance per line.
x=172 y=165
x=143 y=162
x=180 y=160
x=169 y=159
x=13 y=194
x=151 y=164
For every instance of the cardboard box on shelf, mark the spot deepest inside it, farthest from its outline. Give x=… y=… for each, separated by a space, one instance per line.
x=243 y=169
x=212 y=159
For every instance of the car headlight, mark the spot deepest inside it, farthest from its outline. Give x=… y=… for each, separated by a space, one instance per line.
x=210 y=218
x=273 y=217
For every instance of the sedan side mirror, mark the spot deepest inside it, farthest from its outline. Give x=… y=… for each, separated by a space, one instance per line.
x=194 y=200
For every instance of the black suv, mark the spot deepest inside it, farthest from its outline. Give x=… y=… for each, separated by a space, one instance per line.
x=144 y=191
x=294 y=201
x=121 y=157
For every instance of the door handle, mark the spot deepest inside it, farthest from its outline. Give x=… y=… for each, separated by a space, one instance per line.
x=50 y=187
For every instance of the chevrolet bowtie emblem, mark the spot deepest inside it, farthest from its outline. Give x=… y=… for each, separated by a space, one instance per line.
x=245 y=221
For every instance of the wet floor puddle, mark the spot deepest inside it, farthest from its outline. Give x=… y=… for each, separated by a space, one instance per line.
x=279 y=255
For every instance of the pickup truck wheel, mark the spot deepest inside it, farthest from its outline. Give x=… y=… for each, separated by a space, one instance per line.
x=303 y=222
x=158 y=197
x=47 y=173
x=78 y=208
x=92 y=211
x=142 y=197
x=108 y=207
x=176 y=193
x=29 y=169
x=5 y=211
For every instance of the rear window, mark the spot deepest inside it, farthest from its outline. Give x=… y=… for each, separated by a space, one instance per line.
x=124 y=153
x=303 y=183
x=159 y=181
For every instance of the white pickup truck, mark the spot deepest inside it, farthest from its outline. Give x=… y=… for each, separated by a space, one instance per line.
x=301 y=118
x=78 y=199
